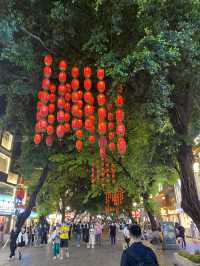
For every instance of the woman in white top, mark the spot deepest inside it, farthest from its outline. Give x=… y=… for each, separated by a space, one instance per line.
x=22 y=241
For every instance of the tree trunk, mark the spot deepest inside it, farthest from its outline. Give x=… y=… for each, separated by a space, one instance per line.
x=23 y=216
x=180 y=117
x=149 y=211
x=63 y=208
x=190 y=201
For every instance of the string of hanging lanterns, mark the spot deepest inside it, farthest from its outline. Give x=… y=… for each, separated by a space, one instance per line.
x=63 y=107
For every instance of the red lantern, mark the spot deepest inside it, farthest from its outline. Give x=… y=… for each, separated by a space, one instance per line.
x=60 y=116
x=44 y=97
x=119 y=100
x=38 y=116
x=120 y=130
x=91 y=129
x=119 y=115
x=91 y=139
x=75 y=97
x=43 y=125
x=79 y=113
x=50 y=130
x=88 y=97
x=75 y=84
x=39 y=105
x=77 y=124
x=52 y=98
x=51 y=119
x=88 y=124
x=45 y=84
x=87 y=72
x=75 y=109
x=87 y=84
x=67 y=96
x=102 y=128
x=75 y=72
x=61 y=89
x=110 y=116
x=52 y=88
x=100 y=73
x=111 y=135
x=62 y=76
x=67 y=127
x=111 y=126
x=102 y=113
x=67 y=117
x=40 y=94
x=49 y=141
x=37 y=139
x=48 y=59
x=60 y=131
x=61 y=103
x=44 y=110
x=110 y=106
x=88 y=110
x=79 y=103
x=101 y=86
x=80 y=94
x=121 y=146
x=37 y=127
x=62 y=65
x=79 y=134
x=47 y=71
x=92 y=117
x=67 y=107
x=68 y=87
x=79 y=145
x=51 y=108
x=101 y=98
x=112 y=146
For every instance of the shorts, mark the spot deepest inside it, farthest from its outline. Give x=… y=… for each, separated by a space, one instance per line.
x=22 y=244
x=64 y=243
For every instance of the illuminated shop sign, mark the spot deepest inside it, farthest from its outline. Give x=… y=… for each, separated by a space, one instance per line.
x=7 y=206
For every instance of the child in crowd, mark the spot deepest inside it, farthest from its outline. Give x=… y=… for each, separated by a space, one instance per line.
x=55 y=237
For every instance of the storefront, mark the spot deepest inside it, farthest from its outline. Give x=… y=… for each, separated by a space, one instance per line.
x=7 y=205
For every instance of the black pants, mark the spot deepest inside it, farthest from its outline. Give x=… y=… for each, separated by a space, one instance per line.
x=12 y=249
x=44 y=239
x=113 y=239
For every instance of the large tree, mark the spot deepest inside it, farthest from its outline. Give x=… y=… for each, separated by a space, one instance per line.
x=150 y=46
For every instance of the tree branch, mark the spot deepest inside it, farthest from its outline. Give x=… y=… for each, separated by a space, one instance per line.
x=38 y=39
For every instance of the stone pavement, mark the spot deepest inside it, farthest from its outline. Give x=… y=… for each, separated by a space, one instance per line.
x=101 y=256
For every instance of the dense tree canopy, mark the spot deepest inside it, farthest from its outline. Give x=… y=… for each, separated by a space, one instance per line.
x=152 y=47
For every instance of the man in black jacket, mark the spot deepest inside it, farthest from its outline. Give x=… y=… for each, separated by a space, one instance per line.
x=138 y=254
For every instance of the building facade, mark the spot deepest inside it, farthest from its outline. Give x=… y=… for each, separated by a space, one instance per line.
x=8 y=180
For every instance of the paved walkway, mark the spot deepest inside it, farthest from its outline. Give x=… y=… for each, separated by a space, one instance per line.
x=102 y=256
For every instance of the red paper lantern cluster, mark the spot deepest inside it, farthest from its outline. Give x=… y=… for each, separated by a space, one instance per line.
x=114 y=198
x=63 y=115
x=66 y=105
x=109 y=210
x=45 y=106
x=89 y=105
x=120 y=126
x=104 y=172
x=111 y=128
x=102 y=111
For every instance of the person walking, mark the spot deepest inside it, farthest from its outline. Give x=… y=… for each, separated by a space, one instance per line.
x=13 y=244
x=55 y=238
x=85 y=233
x=2 y=227
x=113 y=229
x=22 y=241
x=138 y=254
x=44 y=234
x=193 y=230
x=91 y=236
x=78 y=234
x=64 y=241
x=98 y=233
x=180 y=235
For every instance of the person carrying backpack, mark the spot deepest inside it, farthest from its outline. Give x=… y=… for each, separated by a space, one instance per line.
x=138 y=254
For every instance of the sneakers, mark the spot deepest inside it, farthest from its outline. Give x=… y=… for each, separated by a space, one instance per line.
x=54 y=257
